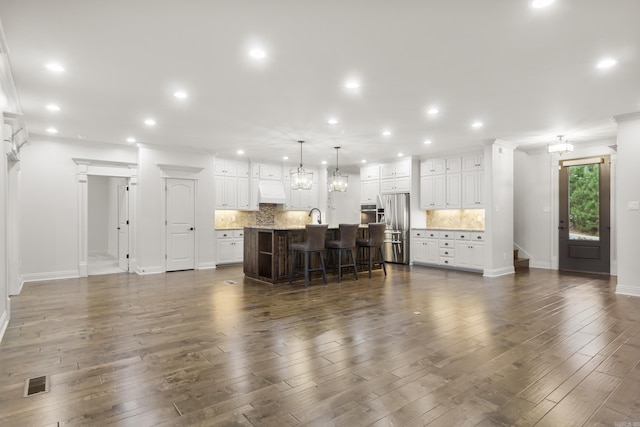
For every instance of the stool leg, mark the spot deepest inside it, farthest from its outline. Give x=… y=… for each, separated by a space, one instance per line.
x=324 y=272
x=306 y=269
x=353 y=262
x=339 y=265
x=370 y=262
x=293 y=266
x=382 y=261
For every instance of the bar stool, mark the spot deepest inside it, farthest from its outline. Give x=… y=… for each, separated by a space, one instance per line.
x=316 y=235
x=374 y=243
x=348 y=234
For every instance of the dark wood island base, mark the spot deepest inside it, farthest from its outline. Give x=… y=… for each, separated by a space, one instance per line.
x=266 y=251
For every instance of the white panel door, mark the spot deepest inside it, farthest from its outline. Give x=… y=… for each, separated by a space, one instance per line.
x=180 y=214
x=123 y=227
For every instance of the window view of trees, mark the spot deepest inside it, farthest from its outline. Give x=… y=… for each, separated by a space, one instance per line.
x=584 y=206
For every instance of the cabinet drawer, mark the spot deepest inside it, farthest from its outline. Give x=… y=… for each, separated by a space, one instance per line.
x=447 y=235
x=463 y=235
x=478 y=237
x=238 y=233
x=432 y=234
x=418 y=233
x=446 y=261
x=446 y=243
x=446 y=252
x=221 y=234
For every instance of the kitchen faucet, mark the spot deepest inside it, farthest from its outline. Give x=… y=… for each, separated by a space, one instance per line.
x=319 y=214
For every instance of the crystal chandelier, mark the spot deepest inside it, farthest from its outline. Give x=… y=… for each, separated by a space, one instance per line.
x=300 y=179
x=338 y=181
x=560 y=147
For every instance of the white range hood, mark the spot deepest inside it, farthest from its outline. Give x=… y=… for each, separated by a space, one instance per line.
x=271 y=192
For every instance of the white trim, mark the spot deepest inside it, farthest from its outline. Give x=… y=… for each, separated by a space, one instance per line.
x=633 y=291
x=206 y=265
x=50 y=275
x=4 y=323
x=497 y=272
x=539 y=264
x=143 y=271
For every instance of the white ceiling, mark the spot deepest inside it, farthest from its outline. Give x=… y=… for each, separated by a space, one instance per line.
x=528 y=74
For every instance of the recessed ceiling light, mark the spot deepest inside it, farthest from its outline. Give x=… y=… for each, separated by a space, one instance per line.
x=81 y=136
x=332 y=121
x=363 y=161
x=433 y=111
x=53 y=107
x=55 y=67
x=427 y=141
x=400 y=154
x=386 y=133
x=240 y=151
x=477 y=125
x=324 y=162
x=52 y=130
x=131 y=140
x=606 y=63
x=180 y=94
x=150 y=122
x=257 y=53
x=285 y=158
x=541 y=3
x=352 y=84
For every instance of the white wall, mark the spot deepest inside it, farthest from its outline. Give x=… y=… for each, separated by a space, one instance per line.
x=98 y=214
x=151 y=227
x=49 y=204
x=4 y=283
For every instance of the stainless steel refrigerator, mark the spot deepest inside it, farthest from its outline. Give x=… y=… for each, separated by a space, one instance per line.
x=396 y=216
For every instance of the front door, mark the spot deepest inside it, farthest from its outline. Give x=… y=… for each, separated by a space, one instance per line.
x=123 y=226
x=180 y=233
x=584 y=229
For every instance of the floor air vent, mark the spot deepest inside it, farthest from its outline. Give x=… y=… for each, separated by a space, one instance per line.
x=36 y=385
x=230 y=282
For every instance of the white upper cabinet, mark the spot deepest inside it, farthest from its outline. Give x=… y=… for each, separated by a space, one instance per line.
x=401 y=168
x=369 y=172
x=270 y=172
x=225 y=167
x=453 y=164
x=432 y=167
x=242 y=170
x=473 y=162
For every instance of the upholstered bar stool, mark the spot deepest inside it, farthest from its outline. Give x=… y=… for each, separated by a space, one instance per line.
x=316 y=235
x=373 y=246
x=348 y=234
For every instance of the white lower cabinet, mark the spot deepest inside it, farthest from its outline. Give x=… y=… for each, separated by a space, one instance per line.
x=456 y=249
x=229 y=246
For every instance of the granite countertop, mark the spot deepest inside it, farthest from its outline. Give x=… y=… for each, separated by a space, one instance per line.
x=294 y=227
x=448 y=229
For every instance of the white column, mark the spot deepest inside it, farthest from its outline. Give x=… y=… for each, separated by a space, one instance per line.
x=5 y=306
x=82 y=219
x=628 y=204
x=499 y=208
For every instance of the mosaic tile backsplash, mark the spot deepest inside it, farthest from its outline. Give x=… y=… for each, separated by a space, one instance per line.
x=268 y=215
x=456 y=219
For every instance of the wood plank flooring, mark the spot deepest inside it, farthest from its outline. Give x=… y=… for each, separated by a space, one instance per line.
x=421 y=346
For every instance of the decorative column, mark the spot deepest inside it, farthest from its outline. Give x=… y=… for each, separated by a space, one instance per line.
x=499 y=205
x=627 y=213
x=83 y=251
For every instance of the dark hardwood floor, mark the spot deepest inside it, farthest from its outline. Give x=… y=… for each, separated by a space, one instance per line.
x=420 y=347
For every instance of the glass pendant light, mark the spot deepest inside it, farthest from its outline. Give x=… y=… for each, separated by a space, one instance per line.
x=300 y=179
x=338 y=181
x=560 y=147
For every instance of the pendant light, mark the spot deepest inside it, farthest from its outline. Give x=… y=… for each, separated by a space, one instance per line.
x=300 y=179
x=338 y=181
x=560 y=147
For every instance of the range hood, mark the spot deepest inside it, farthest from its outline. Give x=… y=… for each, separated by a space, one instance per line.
x=271 y=192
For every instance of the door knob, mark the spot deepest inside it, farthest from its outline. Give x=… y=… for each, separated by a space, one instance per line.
x=191 y=228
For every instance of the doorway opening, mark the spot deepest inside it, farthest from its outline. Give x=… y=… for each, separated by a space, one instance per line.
x=107 y=225
x=584 y=215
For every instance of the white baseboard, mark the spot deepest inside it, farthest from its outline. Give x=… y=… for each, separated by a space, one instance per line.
x=496 y=272
x=537 y=264
x=52 y=275
x=4 y=322
x=206 y=265
x=633 y=291
x=149 y=270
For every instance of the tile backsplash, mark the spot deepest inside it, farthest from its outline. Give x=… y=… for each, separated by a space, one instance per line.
x=267 y=215
x=456 y=219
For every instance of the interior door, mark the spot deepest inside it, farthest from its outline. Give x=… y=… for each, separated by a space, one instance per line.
x=584 y=229
x=123 y=227
x=180 y=228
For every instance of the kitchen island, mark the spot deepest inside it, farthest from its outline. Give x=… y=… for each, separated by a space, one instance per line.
x=267 y=254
